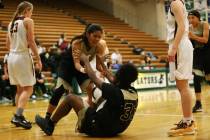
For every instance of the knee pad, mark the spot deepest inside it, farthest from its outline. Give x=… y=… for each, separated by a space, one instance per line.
x=56 y=96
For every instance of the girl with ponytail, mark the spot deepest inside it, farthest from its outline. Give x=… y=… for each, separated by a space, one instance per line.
x=89 y=43
x=20 y=39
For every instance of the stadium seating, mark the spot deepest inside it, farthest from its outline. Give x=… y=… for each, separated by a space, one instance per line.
x=56 y=18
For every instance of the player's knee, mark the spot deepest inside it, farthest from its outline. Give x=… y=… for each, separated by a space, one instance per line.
x=56 y=96
x=69 y=97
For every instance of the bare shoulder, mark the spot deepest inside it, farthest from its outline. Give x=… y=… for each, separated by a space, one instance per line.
x=205 y=23
x=102 y=44
x=102 y=47
x=28 y=20
x=76 y=44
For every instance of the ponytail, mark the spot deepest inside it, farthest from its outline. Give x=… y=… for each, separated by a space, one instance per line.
x=21 y=8
x=13 y=20
x=77 y=37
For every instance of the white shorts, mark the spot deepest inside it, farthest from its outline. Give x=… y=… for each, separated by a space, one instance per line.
x=184 y=60
x=21 y=69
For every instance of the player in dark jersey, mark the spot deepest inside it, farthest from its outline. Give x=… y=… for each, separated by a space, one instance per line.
x=111 y=114
x=90 y=43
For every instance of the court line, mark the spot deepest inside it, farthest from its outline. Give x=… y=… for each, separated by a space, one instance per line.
x=43 y=109
x=170 y=115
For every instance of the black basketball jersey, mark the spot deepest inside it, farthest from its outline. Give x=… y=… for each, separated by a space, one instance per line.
x=114 y=114
x=66 y=66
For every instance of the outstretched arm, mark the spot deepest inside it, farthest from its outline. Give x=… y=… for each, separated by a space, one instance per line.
x=90 y=71
x=76 y=52
x=106 y=72
x=102 y=50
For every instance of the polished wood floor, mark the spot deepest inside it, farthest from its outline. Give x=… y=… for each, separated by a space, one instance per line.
x=158 y=110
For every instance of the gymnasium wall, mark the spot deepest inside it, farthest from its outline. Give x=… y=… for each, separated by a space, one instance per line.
x=103 y=5
x=146 y=15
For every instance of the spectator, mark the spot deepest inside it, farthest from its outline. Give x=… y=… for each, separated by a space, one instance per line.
x=147 y=60
x=151 y=55
x=1 y=4
x=116 y=65
x=6 y=89
x=138 y=51
x=62 y=42
x=40 y=80
x=199 y=4
x=42 y=53
x=61 y=39
x=53 y=60
x=41 y=49
x=116 y=57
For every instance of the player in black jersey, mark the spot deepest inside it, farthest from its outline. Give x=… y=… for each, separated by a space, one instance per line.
x=90 y=43
x=111 y=114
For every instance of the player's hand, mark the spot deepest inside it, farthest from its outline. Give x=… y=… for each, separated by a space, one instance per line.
x=39 y=65
x=5 y=77
x=191 y=35
x=171 y=54
x=104 y=58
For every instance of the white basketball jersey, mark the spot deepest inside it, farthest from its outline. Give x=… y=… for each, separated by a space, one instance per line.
x=18 y=37
x=171 y=25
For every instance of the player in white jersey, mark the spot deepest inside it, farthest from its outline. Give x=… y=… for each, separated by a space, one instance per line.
x=20 y=39
x=180 y=46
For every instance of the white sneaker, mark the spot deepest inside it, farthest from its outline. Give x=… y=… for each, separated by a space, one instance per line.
x=45 y=95
x=33 y=97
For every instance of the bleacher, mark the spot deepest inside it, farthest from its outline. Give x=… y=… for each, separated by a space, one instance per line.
x=117 y=28
x=57 y=17
x=49 y=24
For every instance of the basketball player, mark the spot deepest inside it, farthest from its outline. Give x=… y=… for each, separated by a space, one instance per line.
x=90 y=43
x=199 y=35
x=111 y=114
x=180 y=45
x=20 y=39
